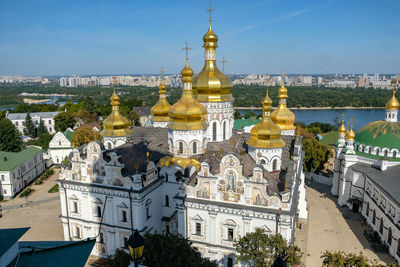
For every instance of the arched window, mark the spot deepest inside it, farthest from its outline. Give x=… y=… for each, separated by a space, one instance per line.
x=386 y=154
x=373 y=218
x=381 y=226
x=166 y=201
x=214 y=131
x=262 y=161
x=369 y=150
x=180 y=150
x=224 y=131
x=274 y=164
x=367 y=211
x=394 y=154
x=109 y=145
x=377 y=151
x=389 y=237
x=194 y=147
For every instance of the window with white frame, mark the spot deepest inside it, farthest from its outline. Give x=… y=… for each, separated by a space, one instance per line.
x=197 y=225
x=198 y=228
x=2 y=177
x=124 y=217
x=77 y=232
x=229 y=230
x=148 y=214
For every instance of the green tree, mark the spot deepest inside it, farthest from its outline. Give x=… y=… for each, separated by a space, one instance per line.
x=341 y=259
x=63 y=121
x=41 y=128
x=10 y=138
x=237 y=115
x=29 y=126
x=43 y=141
x=89 y=105
x=316 y=155
x=85 y=135
x=85 y=116
x=261 y=249
x=165 y=250
x=133 y=118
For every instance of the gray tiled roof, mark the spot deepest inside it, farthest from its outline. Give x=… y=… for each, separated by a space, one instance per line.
x=388 y=180
x=43 y=115
x=142 y=111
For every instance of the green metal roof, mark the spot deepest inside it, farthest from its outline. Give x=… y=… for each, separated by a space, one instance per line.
x=381 y=134
x=330 y=138
x=67 y=255
x=68 y=134
x=9 y=236
x=375 y=156
x=241 y=123
x=11 y=160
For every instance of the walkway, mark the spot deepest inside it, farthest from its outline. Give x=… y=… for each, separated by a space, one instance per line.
x=40 y=211
x=330 y=227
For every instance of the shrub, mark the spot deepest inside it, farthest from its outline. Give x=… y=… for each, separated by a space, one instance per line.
x=38 y=181
x=26 y=192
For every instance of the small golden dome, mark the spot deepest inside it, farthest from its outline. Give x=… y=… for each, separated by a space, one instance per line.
x=282 y=116
x=342 y=129
x=159 y=112
x=187 y=113
x=266 y=134
x=393 y=103
x=351 y=134
x=187 y=74
x=115 y=124
x=211 y=85
x=210 y=39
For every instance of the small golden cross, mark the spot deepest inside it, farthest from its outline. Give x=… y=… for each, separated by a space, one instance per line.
x=223 y=61
x=186 y=48
x=210 y=10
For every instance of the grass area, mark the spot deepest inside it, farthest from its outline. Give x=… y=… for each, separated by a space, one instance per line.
x=26 y=192
x=54 y=189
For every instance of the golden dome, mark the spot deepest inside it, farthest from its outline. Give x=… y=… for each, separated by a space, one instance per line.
x=211 y=85
x=282 y=116
x=169 y=161
x=187 y=113
x=159 y=112
x=115 y=124
x=266 y=134
x=351 y=134
x=393 y=103
x=342 y=128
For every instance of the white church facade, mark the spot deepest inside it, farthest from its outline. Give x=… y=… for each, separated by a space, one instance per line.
x=189 y=173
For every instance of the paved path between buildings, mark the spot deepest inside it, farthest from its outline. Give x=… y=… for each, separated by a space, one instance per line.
x=40 y=212
x=330 y=227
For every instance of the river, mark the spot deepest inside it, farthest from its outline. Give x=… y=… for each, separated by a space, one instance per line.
x=361 y=116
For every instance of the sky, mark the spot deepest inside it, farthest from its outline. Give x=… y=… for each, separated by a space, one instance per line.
x=57 y=37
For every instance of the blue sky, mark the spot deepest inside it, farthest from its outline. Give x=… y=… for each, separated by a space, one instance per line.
x=55 y=37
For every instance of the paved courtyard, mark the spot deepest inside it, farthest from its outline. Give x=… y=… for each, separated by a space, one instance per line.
x=330 y=227
x=40 y=211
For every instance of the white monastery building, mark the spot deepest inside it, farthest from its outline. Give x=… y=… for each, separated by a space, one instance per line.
x=18 y=120
x=367 y=174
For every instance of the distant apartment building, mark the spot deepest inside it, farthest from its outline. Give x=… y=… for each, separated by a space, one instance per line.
x=19 y=169
x=320 y=81
x=306 y=80
x=18 y=120
x=63 y=82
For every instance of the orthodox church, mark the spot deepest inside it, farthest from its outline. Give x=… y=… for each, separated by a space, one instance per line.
x=367 y=174
x=189 y=173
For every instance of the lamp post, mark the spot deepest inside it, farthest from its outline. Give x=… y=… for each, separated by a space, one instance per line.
x=136 y=246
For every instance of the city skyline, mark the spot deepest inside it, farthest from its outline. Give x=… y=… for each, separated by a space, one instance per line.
x=67 y=38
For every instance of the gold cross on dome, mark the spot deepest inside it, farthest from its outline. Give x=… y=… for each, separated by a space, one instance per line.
x=223 y=61
x=283 y=78
x=352 y=121
x=186 y=48
x=343 y=116
x=210 y=9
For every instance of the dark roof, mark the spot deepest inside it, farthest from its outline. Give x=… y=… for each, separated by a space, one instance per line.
x=388 y=181
x=60 y=254
x=9 y=236
x=141 y=141
x=142 y=111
